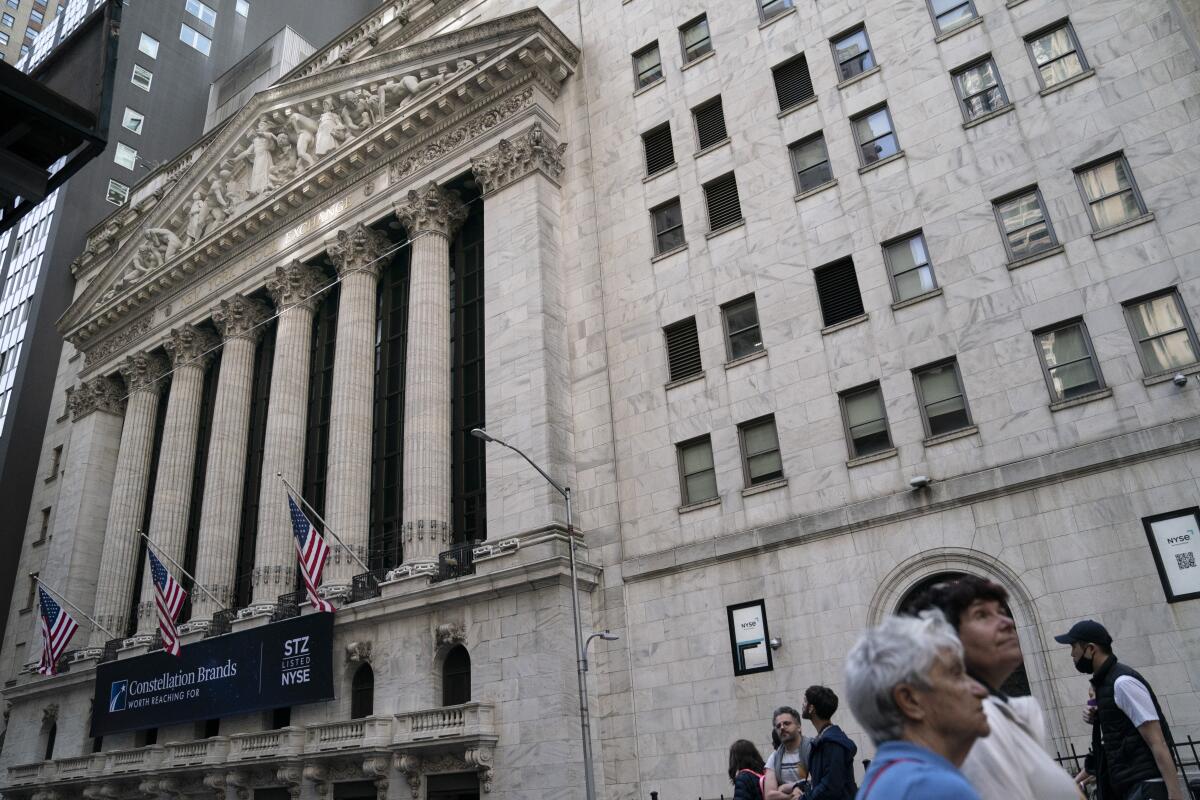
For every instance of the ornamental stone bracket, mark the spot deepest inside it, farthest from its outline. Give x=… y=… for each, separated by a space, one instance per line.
x=449 y=634
x=99 y=394
x=512 y=159
x=357 y=249
x=431 y=209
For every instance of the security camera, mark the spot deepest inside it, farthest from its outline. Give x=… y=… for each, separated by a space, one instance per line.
x=1180 y=379
x=919 y=481
x=775 y=642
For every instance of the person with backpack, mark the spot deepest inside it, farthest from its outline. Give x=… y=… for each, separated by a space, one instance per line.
x=745 y=770
x=831 y=760
x=788 y=765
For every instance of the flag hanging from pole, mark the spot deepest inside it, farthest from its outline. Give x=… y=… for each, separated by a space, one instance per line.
x=312 y=551
x=57 y=629
x=168 y=599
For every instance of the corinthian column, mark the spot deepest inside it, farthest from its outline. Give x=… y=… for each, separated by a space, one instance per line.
x=430 y=215
x=358 y=255
x=293 y=288
x=118 y=560
x=190 y=349
x=238 y=319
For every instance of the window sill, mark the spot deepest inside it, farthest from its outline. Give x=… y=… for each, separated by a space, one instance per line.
x=778 y=483
x=696 y=61
x=1083 y=76
x=716 y=501
x=737 y=362
x=669 y=253
x=50 y=479
x=1083 y=399
x=1163 y=377
x=660 y=173
x=711 y=147
x=39 y=542
x=776 y=18
x=920 y=298
x=961 y=433
x=699 y=376
x=731 y=226
x=941 y=37
x=862 y=76
x=793 y=109
x=880 y=456
x=815 y=190
x=25 y=611
x=1013 y=3
x=649 y=86
x=846 y=323
x=1124 y=226
x=999 y=112
x=1053 y=251
x=880 y=163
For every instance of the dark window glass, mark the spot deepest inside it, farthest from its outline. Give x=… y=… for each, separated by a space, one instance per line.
x=362 y=693
x=742 y=333
x=320 y=400
x=51 y=735
x=875 y=136
x=647 y=66
x=208 y=399
x=943 y=403
x=768 y=9
x=710 y=123
x=1165 y=338
x=793 y=84
x=469 y=521
x=683 y=349
x=909 y=267
x=456 y=677
x=1056 y=54
x=949 y=14
x=1068 y=361
x=1110 y=192
x=979 y=89
x=724 y=206
x=695 y=39
x=760 y=451
x=837 y=289
x=1027 y=231
x=387 y=462
x=660 y=152
x=810 y=161
x=668 y=226
x=697 y=476
x=866 y=421
x=852 y=52
x=260 y=395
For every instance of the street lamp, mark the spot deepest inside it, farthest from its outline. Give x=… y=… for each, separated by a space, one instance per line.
x=585 y=722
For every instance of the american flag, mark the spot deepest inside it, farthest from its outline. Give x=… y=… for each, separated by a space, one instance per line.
x=312 y=551
x=168 y=598
x=57 y=629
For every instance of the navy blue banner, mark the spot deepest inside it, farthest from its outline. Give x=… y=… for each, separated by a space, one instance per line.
x=288 y=663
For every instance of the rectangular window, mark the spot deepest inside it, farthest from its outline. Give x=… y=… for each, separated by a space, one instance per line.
x=201 y=12
x=125 y=155
x=866 y=421
x=3 y=38
x=193 y=38
x=44 y=528
x=695 y=39
x=697 y=475
x=742 y=333
x=710 y=123
x=36 y=16
x=132 y=121
x=837 y=290
x=117 y=193
x=647 y=66
x=668 y=226
x=761 y=461
x=32 y=596
x=13 y=3
x=852 y=53
x=142 y=77
x=1068 y=361
x=909 y=269
x=55 y=462
x=874 y=135
x=683 y=349
x=243 y=8
x=793 y=84
x=979 y=89
x=148 y=45
x=943 y=402
x=7 y=20
x=769 y=9
x=810 y=163
x=1023 y=220
x=660 y=152
x=1165 y=338
x=724 y=207
x=1112 y=196
x=1056 y=54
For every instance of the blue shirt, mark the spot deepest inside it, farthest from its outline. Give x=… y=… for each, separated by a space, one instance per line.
x=910 y=772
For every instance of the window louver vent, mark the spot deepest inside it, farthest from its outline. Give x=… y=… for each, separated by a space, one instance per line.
x=710 y=124
x=660 y=153
x=793 y=85
x=683 y=349
x=724 y=207
x=837 y=288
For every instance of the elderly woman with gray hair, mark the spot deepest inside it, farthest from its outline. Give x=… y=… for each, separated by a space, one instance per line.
x=909 y=690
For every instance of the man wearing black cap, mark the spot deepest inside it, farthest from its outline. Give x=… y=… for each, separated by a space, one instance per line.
x=1129 y=734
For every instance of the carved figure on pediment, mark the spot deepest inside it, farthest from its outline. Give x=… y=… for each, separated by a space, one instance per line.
x=198 y=216
x=260 y=155
x=235 y=191
x=165 y=243
x=218 y=203
x=358 y=110
x=305 y=128
x=395 y=93
x=330 y=130
x=286 y=163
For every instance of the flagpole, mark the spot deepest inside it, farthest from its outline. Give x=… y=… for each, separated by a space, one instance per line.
x=61 y=597
x=324 y=524
x=195 y=584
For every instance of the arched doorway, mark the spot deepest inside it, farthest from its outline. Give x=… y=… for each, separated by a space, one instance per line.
x=456 y=677
x=362 y=693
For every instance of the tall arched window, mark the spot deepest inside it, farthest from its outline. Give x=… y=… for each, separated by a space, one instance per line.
x=50 y=736
x=362 y=693
x=456 y=677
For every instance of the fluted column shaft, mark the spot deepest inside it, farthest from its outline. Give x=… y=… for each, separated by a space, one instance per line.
x=430 y=216
x=189 y=350
x=292 y=288
x=357 y=253
x=238 y=319
x=118 y=559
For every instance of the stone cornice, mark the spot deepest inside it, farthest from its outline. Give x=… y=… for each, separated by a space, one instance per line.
x=99 y=394
x=431 y=209
x=357 y=249
x=511 y=160
x=240 y=317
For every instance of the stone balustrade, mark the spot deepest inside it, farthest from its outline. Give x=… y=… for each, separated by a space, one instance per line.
x=138 y=759
x=468 y=719
x=367 y=732
x=24 y=774
x=191 y=754
x=280 y=743
x=79 y=766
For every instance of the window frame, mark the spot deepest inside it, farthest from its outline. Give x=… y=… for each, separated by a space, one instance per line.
x=638 y=85
x=687 y=324
x=242 y=7
x=120 y=150
x=784 y=6
x=707 y=187
x=1118 y=156
x=645 y=152
x=786 y=64
x=890 y=268
x=1172 y=291
x=184 y=28
x=858 y=145
x=141 y=120
x=846 y=394
x=684 y=499
x=792 y=152
x=962 y=392
x=148 y=45
x=657 y=234
x=714 y=101
x=837 y=62
x=958 y=72
x=109 y=190
x=734 y=305
x=1091 y=355
x=742 y=427
x=134 y=75
x=7 y=20
x=3 y=39
x=1064 y=22
x=36 y=16
x=1004 y=232
x=199 y=12
x=683 y=29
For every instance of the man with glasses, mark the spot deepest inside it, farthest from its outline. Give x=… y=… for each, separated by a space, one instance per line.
x=788 y=765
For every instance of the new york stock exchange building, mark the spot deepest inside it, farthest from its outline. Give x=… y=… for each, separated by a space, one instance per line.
x=804 y=318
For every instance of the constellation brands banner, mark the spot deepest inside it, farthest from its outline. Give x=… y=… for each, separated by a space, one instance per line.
x=288 y=663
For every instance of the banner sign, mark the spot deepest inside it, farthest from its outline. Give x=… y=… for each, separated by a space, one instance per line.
x=1175 y=542
x=288 y=663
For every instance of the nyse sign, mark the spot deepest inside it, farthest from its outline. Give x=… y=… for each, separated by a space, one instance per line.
x=286 y=664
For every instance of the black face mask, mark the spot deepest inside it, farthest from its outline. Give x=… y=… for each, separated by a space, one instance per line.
x=1085 y=664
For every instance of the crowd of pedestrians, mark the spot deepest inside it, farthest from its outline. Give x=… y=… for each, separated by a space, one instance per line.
x=926 y=687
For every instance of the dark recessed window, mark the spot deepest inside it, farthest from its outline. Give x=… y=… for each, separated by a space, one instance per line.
x=456 y=677
x=979 y=89
x=668 y=226
x=810 y=162
x=909 y=269
x=660 y=152
x=683 y=349
x=694 y=39
x=724 y=207
x=1165 y=338
x=950 y=14
x=742 y=333
x=697 y=476
x=852 y=53
x=874 y=135
x=647 y=66
x=761 y=461
x=866 y=421
x=1056 y=54
x=837 y=289
x=1068 y=361
x=710 y=123
x=1023 y=221
x=1111 y=194
x=793 y=84
x=943 y=402
x=362 y=693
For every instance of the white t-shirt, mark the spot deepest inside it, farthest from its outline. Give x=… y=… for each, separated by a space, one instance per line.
x=790 y=760
x=1132 y=697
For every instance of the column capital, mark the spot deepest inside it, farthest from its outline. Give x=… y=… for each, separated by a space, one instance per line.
x=296 y=284
x=358 y=248
x=142 y=371
x=431 y=209
x=240 y=317
x=99 y=394
x=188 y=344
x=513 y=159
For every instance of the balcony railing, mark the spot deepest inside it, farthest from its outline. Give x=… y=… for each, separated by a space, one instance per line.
x=457 y=561
x=287 y=606
x=29 y=773
x=138 y=759
x=366 y=585
x=357 y=733
x=268 y=744
x=79 y=766
x=468 y=719
x=191 y=754
x=222 y=623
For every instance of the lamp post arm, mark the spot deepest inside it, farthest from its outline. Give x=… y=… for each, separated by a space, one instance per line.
x=561 y=490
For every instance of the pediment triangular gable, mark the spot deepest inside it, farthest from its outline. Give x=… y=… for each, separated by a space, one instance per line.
x=302 y=138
